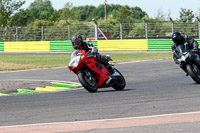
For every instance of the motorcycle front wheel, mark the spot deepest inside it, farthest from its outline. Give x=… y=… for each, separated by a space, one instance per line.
x=194 y=72
x=87 y=82
x=120 y=82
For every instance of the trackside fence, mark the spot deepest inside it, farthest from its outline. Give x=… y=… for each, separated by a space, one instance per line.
x=116 y=31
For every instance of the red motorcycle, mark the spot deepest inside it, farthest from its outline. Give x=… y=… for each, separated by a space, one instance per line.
x=92 y=74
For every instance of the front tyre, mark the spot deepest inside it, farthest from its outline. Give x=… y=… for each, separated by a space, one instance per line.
x=194 y=72
x=120 y=82
x=87 y=82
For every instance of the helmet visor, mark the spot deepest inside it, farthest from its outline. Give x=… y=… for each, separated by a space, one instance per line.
x=176 y=40
x=75 y=43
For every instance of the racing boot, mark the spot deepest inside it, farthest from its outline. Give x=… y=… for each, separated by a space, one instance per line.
x=113 y=74
x=112 y=71
x=106 y=59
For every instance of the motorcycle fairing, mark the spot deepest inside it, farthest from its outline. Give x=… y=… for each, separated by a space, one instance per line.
x=99 y=69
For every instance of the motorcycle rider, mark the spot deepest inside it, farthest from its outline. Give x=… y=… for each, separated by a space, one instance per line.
x=78 y=43
x=178 y=39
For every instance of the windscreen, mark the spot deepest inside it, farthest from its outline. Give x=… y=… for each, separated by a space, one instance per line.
x=74 y=53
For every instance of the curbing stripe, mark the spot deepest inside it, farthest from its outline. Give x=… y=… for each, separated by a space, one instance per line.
x=46 y=89
x=26 y=91
x=2 y=94
x=56 y=86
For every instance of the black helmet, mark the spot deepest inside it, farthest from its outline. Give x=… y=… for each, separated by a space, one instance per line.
x=77 y=40
x=177 y=37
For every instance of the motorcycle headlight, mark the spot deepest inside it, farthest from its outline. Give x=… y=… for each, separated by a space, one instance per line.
x=74 y=62
x=183 y=58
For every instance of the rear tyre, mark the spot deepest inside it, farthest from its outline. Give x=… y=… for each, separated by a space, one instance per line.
x=88 y=83
x=120 y=82
x=194 y=72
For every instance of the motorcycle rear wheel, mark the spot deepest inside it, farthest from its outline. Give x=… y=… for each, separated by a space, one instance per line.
x=120 y=82
x=87 y=82
x=195 y=74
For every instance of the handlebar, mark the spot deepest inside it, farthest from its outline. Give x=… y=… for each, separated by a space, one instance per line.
x=88 y=52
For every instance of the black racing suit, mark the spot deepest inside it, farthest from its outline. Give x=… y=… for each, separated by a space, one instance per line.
x=193 y=45
x=91 y=50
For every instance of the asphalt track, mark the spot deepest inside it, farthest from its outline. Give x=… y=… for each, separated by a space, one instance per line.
x=158 y=98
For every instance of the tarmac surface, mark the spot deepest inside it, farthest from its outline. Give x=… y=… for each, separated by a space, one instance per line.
x=155 y=89
x=9 y=86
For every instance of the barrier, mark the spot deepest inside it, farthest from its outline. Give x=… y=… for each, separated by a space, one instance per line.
x=102 y=45
x=198 y=40
x=61 y=46
x=26 y=46
x=117 y=45
x=1 y=47
x=159 y=44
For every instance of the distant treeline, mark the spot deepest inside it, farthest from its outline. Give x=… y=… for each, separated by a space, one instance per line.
x=42 y=12
x=40 y=21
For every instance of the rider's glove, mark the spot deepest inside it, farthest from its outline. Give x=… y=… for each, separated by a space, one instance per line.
x=195 y=50
x=94 y=50
x=89 y=44
x=106 y=58
x=186 y=43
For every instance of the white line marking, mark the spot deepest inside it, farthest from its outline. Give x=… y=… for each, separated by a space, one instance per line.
x=139 y=117
x=69 y=82
x=32 y=69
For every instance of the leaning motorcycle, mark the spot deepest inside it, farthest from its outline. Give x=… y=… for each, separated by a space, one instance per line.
x=92 y=74
x=189 y=61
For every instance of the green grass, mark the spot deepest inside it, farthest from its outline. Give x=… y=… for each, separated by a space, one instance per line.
x=21 y=62
x=139 y=56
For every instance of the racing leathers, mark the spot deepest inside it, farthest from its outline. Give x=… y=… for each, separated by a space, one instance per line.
x=103 y=59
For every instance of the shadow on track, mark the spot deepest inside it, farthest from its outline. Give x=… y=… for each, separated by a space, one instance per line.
x=102 y=91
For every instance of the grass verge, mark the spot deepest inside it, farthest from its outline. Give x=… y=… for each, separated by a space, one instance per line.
x=22 y=62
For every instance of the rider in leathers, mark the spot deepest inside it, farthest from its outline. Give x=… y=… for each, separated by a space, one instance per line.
x=178 y=39
x=78 y=43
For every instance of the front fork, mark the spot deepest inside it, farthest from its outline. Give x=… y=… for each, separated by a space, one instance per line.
x=88 y=73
